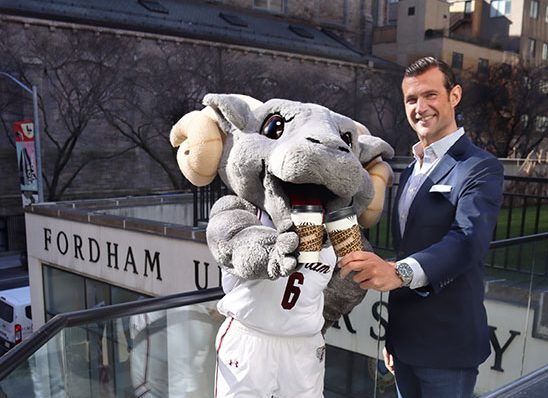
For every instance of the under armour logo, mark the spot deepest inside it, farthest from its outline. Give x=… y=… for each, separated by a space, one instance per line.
x=233 y=362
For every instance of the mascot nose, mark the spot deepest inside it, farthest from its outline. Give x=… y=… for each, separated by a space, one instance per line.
x=315 y=141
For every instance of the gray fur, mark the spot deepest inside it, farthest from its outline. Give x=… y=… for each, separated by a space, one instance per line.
x=255 y=167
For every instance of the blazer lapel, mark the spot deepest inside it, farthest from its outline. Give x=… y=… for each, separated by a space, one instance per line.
x=444 y=167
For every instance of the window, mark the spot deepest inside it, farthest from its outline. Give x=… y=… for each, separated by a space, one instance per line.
x=500 y=8
x=545 y=51
x=531 y=50
x=154 y=6
x=543 y=87
x=270 y=5
x=411 y=11
x=468 y=7
x=28 y=312
x=533 y=9
x=6 y=312
x=300 y=31
x=541 y=123
x=456 y=63
x=65 y=291
x=506 y=70
x=546 y=15
x=483 y=66
x=233 y=19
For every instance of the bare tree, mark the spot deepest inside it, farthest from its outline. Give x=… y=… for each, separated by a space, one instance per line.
x=505 y=109
x=168 y=81
x=382 y=104
x=80 y=74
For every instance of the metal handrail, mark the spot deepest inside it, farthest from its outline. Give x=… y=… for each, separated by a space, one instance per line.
x=511 y=389
x=496 y=244
x=21 y=352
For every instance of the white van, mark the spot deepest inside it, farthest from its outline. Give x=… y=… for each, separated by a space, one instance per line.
x=15 y=316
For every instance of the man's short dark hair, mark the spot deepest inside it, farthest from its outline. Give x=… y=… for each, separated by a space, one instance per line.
x=422 y=65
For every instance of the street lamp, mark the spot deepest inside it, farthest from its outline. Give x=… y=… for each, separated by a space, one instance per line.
x=32 y=91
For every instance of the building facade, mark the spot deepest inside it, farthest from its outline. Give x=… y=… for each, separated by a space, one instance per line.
x=469 y=35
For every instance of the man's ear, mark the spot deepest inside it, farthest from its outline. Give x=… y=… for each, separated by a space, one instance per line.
x=455 y=95
x=234 y=109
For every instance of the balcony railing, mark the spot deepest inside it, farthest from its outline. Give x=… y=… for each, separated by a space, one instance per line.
x=166 y=345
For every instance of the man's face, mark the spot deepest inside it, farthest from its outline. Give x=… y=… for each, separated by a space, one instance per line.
x=430 y=109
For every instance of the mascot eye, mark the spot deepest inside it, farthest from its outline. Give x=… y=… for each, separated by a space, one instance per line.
x=347 y=138
x=273 y=127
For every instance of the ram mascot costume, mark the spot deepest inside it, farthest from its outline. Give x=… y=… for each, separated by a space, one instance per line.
x=272 y=156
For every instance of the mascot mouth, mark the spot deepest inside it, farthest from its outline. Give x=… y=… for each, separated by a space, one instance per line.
x=307 y=194
x=296 y=194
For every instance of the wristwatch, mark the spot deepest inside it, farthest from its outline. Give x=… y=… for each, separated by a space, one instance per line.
x=405 y=272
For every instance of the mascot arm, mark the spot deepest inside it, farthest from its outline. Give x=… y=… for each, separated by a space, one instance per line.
x=341 y=295
x=245 y=247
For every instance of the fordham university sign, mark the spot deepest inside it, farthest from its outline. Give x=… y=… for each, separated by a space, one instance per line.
x=88 y=249
x=142 y=262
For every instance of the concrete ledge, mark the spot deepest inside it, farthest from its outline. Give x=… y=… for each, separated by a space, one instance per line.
x=95 y=212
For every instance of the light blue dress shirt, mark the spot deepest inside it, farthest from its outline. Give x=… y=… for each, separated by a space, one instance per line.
x=426 y=160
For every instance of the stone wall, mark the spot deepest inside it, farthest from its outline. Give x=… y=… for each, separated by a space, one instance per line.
x=161 y=78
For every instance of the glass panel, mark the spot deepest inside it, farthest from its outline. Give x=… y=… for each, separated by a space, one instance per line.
x=162 y=354
x=516 y=284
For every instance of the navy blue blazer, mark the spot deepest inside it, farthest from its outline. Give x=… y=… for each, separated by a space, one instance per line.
x=448 y=233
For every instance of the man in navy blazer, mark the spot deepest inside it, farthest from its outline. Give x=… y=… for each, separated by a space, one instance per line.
x=445 y=211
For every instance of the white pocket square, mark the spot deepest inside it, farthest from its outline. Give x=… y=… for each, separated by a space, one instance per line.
x=441 y=188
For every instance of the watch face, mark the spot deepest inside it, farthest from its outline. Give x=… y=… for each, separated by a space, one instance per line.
x=405 y=272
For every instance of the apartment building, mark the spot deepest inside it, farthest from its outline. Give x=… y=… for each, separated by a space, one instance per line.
x=469 y=35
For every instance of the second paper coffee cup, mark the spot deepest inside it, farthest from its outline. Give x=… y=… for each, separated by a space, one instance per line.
x=344 y=232
x=308 y=220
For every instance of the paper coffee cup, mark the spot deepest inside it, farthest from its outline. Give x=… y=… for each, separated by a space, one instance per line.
x=308 y=220
x=344 y=232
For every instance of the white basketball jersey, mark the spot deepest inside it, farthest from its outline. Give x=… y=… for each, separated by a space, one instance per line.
x=287 y=306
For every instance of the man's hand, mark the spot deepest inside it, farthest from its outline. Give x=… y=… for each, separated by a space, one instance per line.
x=371 y=271
x=388 y=361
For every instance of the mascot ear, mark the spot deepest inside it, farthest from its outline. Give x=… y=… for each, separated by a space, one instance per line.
x=372 y=150
x=234 y=109
x=199 y=134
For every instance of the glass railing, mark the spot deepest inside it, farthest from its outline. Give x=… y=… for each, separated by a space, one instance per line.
x=161 y=347
x=516 y=298
x=516 y=285
x=164 y=347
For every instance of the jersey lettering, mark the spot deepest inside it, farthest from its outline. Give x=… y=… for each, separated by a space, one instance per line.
x=292 y=291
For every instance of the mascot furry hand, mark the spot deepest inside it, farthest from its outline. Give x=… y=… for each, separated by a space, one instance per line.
x=272 y=155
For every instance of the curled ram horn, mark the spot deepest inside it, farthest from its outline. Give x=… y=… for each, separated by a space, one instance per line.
x=381 y=176
x=200 y=142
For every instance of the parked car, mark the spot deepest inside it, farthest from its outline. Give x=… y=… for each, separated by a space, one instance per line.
x=15 y=316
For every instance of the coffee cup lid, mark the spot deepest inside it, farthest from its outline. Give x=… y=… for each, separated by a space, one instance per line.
x=307 y=209
x=341 y=213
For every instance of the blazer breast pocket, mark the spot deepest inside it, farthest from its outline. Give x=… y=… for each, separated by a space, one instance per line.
x=437 y=208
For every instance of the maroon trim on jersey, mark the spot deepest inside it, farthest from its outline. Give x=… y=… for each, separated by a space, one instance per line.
x=217 y=356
